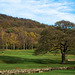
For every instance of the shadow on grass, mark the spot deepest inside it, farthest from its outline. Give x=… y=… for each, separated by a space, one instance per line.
x=13 y=60
x=72 y=72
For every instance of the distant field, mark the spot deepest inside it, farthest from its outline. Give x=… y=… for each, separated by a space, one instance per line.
x=25 y=59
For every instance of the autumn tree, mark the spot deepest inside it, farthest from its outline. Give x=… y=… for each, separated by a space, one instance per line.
x=2 y=36
x=13 y=40
x=31 y=39
x=23 y=36
x=6 y=40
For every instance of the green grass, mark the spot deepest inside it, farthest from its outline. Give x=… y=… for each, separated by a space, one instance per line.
x=55 y=72
x=25 y=59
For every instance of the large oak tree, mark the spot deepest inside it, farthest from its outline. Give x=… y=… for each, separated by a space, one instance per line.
x=53 y=39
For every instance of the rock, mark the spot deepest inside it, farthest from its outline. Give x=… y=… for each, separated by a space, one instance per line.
x=40 y=71
x=0 y=72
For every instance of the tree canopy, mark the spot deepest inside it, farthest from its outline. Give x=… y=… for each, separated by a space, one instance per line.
x=53 y=39
x=65 y=24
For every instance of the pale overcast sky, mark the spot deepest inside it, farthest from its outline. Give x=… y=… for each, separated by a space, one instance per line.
x=43 y=11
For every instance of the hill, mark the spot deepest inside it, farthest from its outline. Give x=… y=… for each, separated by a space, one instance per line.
x=9 y=21
x=19 y=32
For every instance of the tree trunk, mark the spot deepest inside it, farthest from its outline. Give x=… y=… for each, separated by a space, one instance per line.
x=63 y=58
x=6 y=47
x=24 y=46
x=32 y=46
x=13 y=46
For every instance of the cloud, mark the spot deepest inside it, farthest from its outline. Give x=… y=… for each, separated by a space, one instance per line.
x=10 y=1
x=44 y=11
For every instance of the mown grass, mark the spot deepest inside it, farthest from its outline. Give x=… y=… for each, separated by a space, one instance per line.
x=55 y=72
x=25 y=59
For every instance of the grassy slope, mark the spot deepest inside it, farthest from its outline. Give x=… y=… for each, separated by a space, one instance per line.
x=20 y=59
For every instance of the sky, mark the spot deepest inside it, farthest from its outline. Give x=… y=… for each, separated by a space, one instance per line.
x=43 y=11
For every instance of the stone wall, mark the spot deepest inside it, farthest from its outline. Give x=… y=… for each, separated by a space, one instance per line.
x=23 y=71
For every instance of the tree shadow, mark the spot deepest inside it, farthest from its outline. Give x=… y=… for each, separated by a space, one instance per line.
x=68 y=72
x=18 y=60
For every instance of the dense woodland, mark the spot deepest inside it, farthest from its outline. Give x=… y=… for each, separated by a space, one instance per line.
x=19 y=33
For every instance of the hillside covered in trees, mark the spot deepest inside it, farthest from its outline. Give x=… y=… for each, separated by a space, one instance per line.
x=9 y=21
x=19 y=32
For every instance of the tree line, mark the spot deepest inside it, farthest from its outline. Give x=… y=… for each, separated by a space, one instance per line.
x=20 y=40
x=19 y=33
